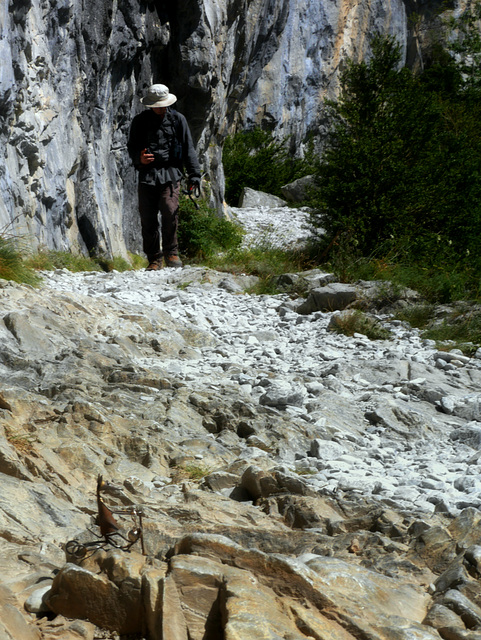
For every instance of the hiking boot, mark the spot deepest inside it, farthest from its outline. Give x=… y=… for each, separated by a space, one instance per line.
x=154 y=266
x=173 y=261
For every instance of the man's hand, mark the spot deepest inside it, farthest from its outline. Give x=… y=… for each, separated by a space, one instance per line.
x=146 y=157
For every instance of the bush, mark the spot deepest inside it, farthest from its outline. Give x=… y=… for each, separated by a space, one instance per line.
x=401 y=172
x=255 y=159
x=202 y=233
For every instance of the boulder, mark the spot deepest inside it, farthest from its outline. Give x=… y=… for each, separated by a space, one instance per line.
x=114 y=604
x=469 y=612
x=332 y=297
x=252 y=198
x=299 y=190
x=440 y=617
x=325 y=584
x=258 y=483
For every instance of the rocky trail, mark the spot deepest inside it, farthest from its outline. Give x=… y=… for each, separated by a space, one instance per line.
x=293 y=482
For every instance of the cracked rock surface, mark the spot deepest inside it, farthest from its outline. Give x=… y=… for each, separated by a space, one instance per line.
x=294 y=482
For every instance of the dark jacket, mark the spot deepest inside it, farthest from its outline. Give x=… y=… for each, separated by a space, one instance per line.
x=170 y=141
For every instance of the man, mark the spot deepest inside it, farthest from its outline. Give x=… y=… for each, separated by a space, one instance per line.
x=160 y=145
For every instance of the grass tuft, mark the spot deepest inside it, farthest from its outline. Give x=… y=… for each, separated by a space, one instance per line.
x=12 y=265
x=190 y=471
x=461 y=328
x=418 y=316
x=264 y=262
x=49 y=260
x=196 y=472
x=351 y=322
x=137 y=261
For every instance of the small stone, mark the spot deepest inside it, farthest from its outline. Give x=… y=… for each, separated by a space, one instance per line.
x=36 y=602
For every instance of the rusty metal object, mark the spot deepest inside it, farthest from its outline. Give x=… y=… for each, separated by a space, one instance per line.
x=110 y=531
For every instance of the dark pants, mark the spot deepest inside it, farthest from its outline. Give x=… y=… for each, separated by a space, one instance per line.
x=152 y=199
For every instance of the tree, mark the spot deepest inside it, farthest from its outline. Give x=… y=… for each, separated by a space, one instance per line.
x=402 y=165
x=465 y=47
x=257 y=160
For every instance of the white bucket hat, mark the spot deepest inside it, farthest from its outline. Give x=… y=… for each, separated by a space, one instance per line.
x=158 y=96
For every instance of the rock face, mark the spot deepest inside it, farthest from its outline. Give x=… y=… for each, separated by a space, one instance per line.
x=72 y=74
x=69 y=72
x=213 y=588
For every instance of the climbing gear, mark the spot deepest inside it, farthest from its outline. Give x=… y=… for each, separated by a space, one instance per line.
x=194 y=187
x=110 y=531
x=193 y=190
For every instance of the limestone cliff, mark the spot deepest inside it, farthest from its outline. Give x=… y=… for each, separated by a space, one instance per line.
x=72 y=73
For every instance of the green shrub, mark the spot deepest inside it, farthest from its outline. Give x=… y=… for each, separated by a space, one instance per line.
x=257 y=160
x=401 y=171
x=202 y=233
x=12 y=265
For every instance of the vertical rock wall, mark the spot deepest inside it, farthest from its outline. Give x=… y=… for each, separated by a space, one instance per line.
x=69 y=71
x=72 y=72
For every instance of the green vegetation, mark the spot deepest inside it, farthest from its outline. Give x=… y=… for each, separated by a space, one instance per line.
x=137 y=261
x=400 y=177
x=202 y=233
x=255 y=159
x=17 y=264
x=263 y=261
x=464 y=331
x=12 y=266
x=351 y=322
x=47 y=260
x=189 y=471
x=196 y=472
x=440 y=283
x=461 y=326
x=418 y=315
x=303 y=471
